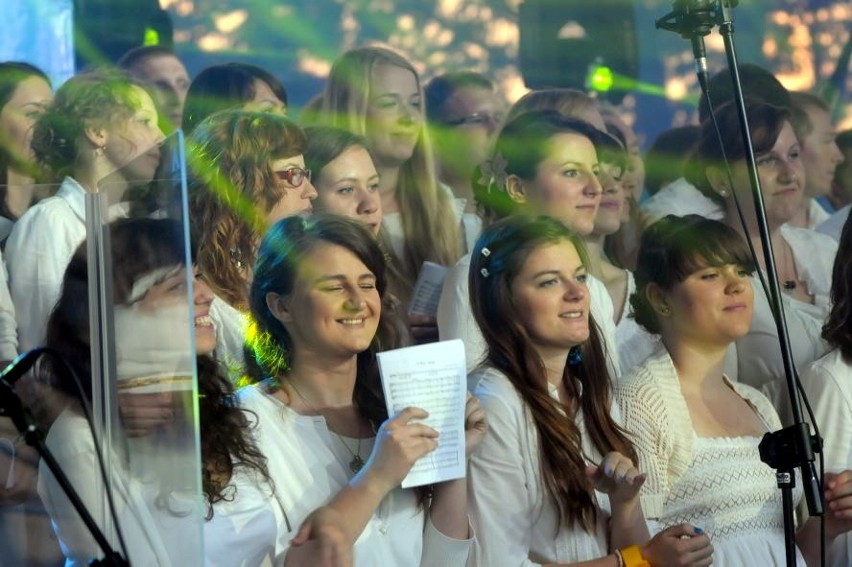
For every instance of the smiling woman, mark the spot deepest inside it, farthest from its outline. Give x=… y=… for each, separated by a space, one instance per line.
x=555 y=455
x=316 y=303
x=696 y=431
x=247 y=173
x=803 y=258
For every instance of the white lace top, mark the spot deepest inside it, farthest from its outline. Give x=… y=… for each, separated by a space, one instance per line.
x=717 y=484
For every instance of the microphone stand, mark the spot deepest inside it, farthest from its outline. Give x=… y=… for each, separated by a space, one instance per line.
x=12 y=407
x=792 y=447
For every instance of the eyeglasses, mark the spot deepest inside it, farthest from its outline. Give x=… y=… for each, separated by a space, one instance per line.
x=477 y=119
x=295 y=176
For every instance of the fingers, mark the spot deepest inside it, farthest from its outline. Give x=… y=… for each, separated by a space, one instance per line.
x=410 y=413
x=304 y=533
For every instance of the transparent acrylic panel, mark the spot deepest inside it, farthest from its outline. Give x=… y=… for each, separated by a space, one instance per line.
x=124 y=320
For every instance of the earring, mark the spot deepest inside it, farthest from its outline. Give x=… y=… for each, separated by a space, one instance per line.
x=664 y=309
x=723 y=192
x=237 y=258
x=99 y=151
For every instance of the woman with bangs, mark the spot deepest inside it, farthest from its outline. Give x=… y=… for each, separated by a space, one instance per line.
x=248 y=172
x=554 y=481
x=376 y=93
x=697 y=432
x=803 y=258
x=99 y=134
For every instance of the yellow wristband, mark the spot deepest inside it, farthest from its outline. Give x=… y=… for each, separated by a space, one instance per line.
x=632 y=557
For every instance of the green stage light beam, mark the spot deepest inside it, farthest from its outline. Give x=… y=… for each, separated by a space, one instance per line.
x=602 y=79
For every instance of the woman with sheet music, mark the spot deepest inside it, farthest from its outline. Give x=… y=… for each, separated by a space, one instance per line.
x=322 y=423
x=554 y=481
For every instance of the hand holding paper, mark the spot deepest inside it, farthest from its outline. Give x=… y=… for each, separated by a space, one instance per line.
x=431 y=377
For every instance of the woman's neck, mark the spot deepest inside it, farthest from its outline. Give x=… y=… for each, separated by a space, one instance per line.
x=19 y=193
x=322 y=382
x=388 y=179
x=696 y=365
x=597 y=261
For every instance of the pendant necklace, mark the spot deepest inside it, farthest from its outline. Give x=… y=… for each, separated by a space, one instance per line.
x=357 y=462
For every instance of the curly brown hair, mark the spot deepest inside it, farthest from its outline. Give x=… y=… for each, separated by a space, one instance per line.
x=232 y=189
x=94 y=99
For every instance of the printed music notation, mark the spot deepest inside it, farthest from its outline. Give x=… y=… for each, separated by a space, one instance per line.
x=431 y=377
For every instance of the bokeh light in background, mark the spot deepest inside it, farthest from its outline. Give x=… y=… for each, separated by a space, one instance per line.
x=800 y=40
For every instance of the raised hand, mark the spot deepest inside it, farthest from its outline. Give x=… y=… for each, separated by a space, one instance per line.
x=617 y=477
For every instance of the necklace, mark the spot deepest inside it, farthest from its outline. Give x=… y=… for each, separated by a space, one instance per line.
x=790 y=265
x=357 y=462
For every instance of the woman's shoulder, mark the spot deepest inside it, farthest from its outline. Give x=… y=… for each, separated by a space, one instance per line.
x=655 y=374
x=494 y=387
x=758 y=400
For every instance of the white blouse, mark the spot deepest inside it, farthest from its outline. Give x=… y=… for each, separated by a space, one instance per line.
x=304 y=461
x=515 y=519
x=759 y=353
x=828 y=385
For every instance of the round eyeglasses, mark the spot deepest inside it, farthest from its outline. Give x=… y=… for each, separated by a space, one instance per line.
x=295 y=176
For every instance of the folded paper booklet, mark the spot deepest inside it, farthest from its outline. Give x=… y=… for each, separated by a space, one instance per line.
x=431 y=377
x=427 y=290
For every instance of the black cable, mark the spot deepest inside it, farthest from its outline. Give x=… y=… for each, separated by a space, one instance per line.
x=802 y=395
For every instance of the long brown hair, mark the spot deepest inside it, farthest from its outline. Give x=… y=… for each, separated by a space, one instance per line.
x=509 y=242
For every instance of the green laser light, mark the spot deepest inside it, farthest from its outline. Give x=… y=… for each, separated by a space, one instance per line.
x=601 y=78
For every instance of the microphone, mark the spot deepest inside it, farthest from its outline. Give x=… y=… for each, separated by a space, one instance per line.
x=700 y=55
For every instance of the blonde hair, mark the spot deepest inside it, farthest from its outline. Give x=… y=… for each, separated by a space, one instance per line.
x=428 y=220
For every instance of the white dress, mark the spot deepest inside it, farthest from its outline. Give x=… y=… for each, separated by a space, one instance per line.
x=833 y=227
x=717 y=484
x=759 y=361
x=635 y=344
x=828 y=384
x=456 y=321
x=230 y=324
x=680 y=197
x=39 y=249
x=243 y=531
x=309 y=465
x=514 y=518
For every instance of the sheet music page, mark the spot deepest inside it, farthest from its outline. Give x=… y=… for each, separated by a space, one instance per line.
x=431 y=377
x=427 y=290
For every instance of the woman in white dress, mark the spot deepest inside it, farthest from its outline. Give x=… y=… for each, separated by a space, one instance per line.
x=247 y=173
x=696 y=431
x=554 y=481
x=99 y=126
x=803 y=257
x=828 y=382
x=322 y=422
x=243 y=524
